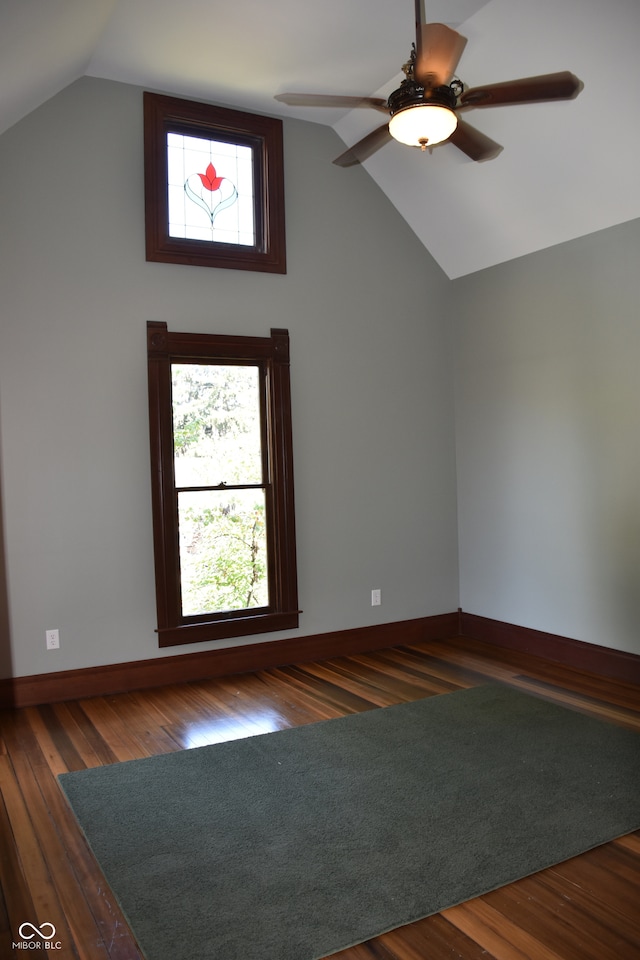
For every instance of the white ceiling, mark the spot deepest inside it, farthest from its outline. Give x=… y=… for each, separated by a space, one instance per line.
x=558 y=177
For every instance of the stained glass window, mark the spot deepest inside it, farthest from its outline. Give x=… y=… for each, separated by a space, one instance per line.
x=214 y=186
x=210 y=190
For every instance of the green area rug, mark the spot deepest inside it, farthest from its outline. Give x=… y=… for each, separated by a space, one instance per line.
x=296 y=844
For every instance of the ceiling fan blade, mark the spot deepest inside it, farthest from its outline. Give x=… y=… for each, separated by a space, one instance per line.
x=438 y=50
x=365 y=147
x=550 y=86
x=475 y=144
x=327 y=100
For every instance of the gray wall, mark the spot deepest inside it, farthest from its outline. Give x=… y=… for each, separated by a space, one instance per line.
x=366 y=308
x=547 y=382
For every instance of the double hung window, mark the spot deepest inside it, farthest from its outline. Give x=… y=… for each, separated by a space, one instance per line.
x=222 y=484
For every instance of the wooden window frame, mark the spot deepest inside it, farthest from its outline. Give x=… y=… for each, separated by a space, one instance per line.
x=271 y=354
x=163 y=115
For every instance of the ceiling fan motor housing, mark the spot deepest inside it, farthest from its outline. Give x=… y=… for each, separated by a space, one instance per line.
x=410 y=93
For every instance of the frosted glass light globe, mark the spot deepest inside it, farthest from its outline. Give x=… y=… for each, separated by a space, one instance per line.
x=423 y=124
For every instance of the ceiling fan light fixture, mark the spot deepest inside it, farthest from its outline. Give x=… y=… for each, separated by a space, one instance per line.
x=423 y=124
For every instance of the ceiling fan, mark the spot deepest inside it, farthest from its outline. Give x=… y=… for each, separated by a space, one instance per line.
x=424 y=110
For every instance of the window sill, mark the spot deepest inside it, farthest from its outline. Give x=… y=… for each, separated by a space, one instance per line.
x=227 y=628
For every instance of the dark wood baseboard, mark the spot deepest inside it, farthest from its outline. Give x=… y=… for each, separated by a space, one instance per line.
x=571 y=653
x=141 y=674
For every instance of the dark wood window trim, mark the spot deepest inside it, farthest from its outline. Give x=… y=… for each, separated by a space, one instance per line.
x=164 y=115
x=272 y=356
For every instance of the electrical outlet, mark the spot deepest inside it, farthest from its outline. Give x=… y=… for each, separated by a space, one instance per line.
x=376 y=598
x=53 y=639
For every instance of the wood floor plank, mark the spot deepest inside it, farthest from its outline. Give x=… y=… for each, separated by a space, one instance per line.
x=335 y=674
x=601 y=690
x=608 y=689
x=64 y=862
x=143 y=733
x=13 y=878
x=583 y=909
x=6 y=934
x=622 y=716
x=248 y=703
x=610 y=869
x=602 y=908
x=323 y=701
x=473 y=663
x=397 y=664
x=58 y=732
x=327 y=691
x=499 y=934
x=434 y=938
x=371 y=950
x=178 y=704
x=24 y=809
x=29 y=724
x=558 y=923
x=112 y=729
x=631 y=842
x=89 y=744
x=426 y=661
x=94 y=918
x=374 y=685
x=308 y=708
x=197 y=729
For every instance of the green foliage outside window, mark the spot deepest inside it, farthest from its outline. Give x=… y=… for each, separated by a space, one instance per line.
x=219 y=482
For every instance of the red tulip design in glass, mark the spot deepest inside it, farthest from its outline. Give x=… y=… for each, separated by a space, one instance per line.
x=211 y=192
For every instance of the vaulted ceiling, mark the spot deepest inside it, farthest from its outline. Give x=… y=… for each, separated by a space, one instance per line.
x=567 y=168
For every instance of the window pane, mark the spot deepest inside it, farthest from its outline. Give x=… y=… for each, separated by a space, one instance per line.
x=216 y=424
x=210 y=190
x=223 y=550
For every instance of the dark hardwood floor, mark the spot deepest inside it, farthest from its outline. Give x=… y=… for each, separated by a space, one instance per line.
x=587 y=908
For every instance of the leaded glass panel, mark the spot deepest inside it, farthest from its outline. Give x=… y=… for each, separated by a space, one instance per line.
x=210 y=190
